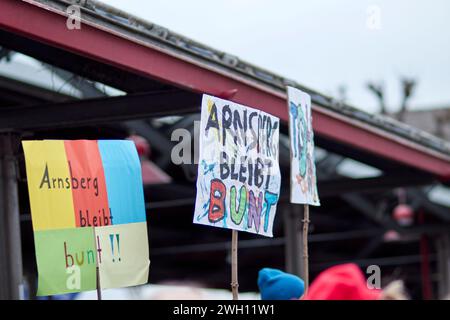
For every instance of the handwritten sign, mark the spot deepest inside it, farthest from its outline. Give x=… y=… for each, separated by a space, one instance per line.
x=87 y=209
x=238 y=182
x=303 y=168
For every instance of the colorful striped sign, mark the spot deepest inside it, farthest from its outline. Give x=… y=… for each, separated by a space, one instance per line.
x=87 y=208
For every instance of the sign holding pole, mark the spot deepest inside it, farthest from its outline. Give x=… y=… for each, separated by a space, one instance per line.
x=234 y=265
x=88 y=215
x=238 y=182
x=303 y=169
x=97 y=274
x=99 y=291
x=305 y=245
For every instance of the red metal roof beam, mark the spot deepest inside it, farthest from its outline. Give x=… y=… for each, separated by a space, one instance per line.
x=42 y=23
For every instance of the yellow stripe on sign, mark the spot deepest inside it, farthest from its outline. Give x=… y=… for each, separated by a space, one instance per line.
x=49 y=185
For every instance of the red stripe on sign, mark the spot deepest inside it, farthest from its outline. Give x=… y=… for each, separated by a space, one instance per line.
x=87 y=181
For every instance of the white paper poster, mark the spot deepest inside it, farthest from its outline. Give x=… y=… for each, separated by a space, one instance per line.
x=238 y=181
x=303 y=168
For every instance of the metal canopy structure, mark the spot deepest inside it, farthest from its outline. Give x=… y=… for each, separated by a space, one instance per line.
x=164 y=74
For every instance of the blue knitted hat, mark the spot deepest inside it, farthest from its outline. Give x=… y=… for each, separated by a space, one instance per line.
x=275 y=284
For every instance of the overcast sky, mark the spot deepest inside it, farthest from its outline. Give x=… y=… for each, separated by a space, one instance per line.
x=324 y=44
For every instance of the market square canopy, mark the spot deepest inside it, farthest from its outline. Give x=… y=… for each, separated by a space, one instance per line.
x=170 y=71
x=153 y=72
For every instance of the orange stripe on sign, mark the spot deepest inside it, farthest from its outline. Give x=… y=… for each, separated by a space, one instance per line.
x=90 y=198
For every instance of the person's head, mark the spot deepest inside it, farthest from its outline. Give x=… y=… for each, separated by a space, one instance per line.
x=395 y=290
x=347 y=282
x=275 y=284
x=178 y=290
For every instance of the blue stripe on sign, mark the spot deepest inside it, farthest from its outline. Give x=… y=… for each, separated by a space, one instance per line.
x=123 y=178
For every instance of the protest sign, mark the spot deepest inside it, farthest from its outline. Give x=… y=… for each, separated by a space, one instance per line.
x=238 y=181
x=303 y=169
x=88 y=214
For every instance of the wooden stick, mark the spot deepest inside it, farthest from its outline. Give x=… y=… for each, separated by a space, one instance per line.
x=234 y=265
x=99 y=291
x=305 y=246
x=97 y=271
